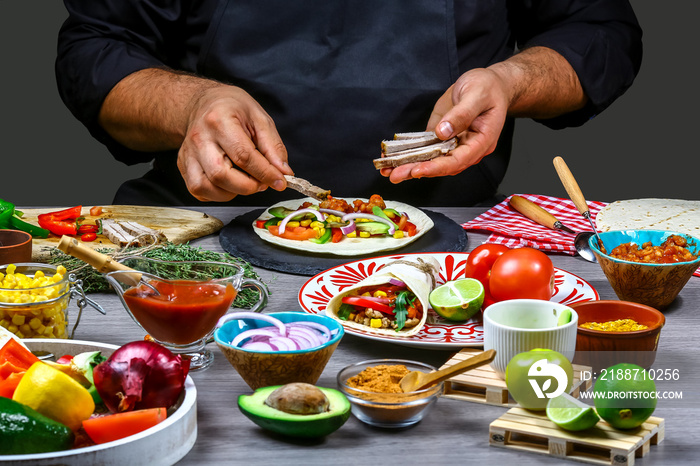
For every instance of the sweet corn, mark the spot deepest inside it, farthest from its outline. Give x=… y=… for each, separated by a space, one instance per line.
x=398 y=234
x=292 y=224
x=305 y=223
x=333 y=218
x=36 y=311
x=352 y=235
x=379 y=294
x=375 y=323
x=364 y=234
x=316 y=224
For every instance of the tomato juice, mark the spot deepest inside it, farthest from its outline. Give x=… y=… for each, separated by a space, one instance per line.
x=184 y=311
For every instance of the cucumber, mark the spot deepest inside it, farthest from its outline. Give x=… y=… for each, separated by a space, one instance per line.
x=24 y=431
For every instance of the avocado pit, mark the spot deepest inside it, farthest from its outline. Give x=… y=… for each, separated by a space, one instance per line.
x=298 y=398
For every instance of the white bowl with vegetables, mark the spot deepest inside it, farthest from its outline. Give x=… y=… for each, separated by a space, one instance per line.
x=279 y=347
x=165 y=443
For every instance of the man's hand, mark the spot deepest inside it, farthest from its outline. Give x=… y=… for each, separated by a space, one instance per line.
x=228 y=145
x=537 y=82
x=231 y=147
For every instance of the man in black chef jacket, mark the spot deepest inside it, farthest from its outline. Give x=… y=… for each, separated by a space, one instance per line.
x=228 y=96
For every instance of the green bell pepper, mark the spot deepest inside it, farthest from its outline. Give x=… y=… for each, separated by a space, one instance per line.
x=9 y=220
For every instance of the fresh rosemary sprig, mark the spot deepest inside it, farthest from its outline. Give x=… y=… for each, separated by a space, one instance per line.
x=94 y=282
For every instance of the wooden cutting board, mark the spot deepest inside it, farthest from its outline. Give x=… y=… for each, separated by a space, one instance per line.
x=178 y=225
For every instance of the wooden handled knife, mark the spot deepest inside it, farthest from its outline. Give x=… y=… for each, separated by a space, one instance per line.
x=537 y=214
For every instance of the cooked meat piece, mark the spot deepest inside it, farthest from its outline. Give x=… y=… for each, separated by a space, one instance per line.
x=304 y=187
x=419 y=154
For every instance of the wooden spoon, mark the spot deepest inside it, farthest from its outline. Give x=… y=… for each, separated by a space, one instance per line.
x=416 y=380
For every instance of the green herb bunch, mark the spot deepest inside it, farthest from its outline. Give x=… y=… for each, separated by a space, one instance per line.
x=94 y=282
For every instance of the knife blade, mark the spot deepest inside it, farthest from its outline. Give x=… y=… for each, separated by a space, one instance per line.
x=306 y=188
x=537 y=214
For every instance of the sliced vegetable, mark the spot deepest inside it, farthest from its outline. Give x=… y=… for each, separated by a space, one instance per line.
x=61 y=222
x=324 y=238
x=376 y=210
x=10 y=219
x=364 y=302
x=113 y=427
x=289 y=217
x=88 y=237
x=373 y=218
x=296 y=233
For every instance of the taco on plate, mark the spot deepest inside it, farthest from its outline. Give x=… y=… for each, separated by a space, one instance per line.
x=392 y=301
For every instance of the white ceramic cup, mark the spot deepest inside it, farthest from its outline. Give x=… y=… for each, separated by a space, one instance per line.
x=517 y=325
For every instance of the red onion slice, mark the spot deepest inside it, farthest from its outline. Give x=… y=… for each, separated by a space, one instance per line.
x=286 y=219
x=396 y=281
x=374 y=218
x=278 y=337
x=349 y=228
x=254 y=316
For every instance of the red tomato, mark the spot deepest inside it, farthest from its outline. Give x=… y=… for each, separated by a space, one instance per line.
x=479 y=265
x=522 y=273
x=296 y=233
x=87 y=228
x=96 y=211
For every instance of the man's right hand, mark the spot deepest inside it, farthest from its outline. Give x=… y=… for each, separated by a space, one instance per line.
x=228 y=145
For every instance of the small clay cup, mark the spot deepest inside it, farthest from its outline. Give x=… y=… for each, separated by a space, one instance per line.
x=15 y=247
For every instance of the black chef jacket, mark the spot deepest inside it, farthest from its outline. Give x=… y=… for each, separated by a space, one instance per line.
x=339 y=76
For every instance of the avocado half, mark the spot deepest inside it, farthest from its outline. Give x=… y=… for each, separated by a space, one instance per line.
x=295 y=425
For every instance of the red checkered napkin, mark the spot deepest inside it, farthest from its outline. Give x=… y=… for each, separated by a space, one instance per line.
x=512 y=229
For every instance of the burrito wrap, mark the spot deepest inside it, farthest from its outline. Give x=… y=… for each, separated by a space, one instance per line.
x=419 y=274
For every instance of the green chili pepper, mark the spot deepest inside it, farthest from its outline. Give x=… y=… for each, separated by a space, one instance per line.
x=325 y=237
x=9 y=220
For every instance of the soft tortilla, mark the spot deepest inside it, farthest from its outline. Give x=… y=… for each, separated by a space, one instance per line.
x=350 y=246
x=419 y=274
x=651 y=214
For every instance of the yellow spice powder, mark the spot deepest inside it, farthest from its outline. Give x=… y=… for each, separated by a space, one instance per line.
x=620 y=325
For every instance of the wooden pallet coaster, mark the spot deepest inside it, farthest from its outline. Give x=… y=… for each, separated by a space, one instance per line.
x=523 y=430
x=482 y=385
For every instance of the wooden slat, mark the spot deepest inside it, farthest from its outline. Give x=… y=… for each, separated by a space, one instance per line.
x=530 y=431
x=483 y=385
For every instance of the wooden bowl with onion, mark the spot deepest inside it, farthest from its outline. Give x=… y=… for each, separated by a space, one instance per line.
x=605 y=348
x=265 y=366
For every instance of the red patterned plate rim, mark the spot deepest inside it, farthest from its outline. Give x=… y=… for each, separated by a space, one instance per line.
x=437 y=333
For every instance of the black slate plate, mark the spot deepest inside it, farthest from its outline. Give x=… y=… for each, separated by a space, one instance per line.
x=238 y=239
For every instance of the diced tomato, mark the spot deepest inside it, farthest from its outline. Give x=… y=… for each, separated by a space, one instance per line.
x=362 y=302
x=259 y=223
x=296 y=233
x=112 y=427
x=65 y=359
x=402 y=222
x=410 y=228
x=96 y=211
x=87 y=237
x=337 y=235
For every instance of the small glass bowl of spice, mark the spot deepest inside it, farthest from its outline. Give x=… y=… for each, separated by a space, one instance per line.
x=375 y=394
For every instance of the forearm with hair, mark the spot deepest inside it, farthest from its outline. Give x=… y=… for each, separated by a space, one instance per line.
x=542 y=82
x=148 y=110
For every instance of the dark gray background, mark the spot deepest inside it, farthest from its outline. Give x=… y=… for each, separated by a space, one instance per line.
x=643 y=146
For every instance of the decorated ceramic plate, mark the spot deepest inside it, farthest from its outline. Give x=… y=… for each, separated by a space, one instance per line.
x=165 y=443
x=437 y=333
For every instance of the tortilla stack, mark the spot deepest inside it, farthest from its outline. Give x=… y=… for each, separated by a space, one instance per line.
x=418 y=273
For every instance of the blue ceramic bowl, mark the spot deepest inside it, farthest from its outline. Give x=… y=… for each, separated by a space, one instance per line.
x=655 y=285
x=268 y=368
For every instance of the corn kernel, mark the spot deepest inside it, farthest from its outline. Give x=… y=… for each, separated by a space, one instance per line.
x=352 y=234
x=316 y=224
x=305 y=223
x=12 y=328
x=379 y=294
x=18 y=319
x=34 y=323
x=293 y=224
x=398 y=234
x=375 y=323
x=364 y=234
x=19 y=334
x=25 y=329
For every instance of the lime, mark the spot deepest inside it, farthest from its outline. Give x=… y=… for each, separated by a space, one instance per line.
x=533 y=377
x=457 y=300
x=625 y=395
x=570 y=413
x=564 y=317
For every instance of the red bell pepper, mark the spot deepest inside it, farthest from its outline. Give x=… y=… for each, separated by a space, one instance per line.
x=362 y=302
x=61 y=222
x=15 y=359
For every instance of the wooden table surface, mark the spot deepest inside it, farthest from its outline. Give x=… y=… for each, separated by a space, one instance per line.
x=454 y=432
